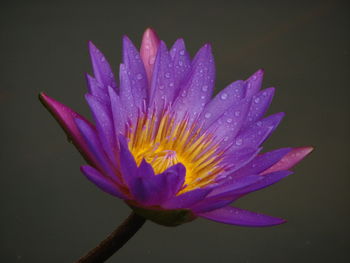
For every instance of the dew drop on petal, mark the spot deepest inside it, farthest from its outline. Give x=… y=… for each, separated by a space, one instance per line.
x=207 y=115
x=223 y=96
x=167 y=75
x=184 y=93
x=257 y=100
x=161 y=87
x=237 y=113
x=202 y=97
x=239 y=141
x=103 y=59
x=205 y=88
x=171 y=84
x=139 y=76
x=151 y=60
x=229 y=120
x=182 y=52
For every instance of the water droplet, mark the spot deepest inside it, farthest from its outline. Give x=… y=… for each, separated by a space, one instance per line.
x=182 y=52
x=224 y=96
x=103 y=59
x=207 y=115
x=259 y=123
x=171 y=84
x=139 y=76
x=170 y=65
x=151 y=60
x=167 y=75
x=202 y=97
x=237 y=113
x=239 y=141
x=205 y=88
x=161 y=87
x=180 y=62
x=163 y=97
x=229 y=120
x=184 y=93
x=225 y=139
x=257 y=100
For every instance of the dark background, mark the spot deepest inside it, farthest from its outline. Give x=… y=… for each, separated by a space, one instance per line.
x=51 y=213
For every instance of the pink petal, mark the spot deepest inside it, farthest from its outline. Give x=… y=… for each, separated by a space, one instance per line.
x=290 y=159
x=65 y=117
x=148 y=51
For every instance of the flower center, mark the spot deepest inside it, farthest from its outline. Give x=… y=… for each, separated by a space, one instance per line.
x=163 y=141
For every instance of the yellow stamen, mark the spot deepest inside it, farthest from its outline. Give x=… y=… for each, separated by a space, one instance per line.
x=162 y=142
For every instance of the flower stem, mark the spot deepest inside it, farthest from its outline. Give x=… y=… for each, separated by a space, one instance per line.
x=114 y=241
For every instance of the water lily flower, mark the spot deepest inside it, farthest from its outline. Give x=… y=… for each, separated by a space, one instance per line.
x=161 y=143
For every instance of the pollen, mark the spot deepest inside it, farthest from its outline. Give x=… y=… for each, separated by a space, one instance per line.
x=163 y=141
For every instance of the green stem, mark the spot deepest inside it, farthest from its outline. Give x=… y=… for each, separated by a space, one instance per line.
x=114 y=241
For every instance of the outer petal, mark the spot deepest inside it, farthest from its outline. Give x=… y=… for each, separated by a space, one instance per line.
x=135 y=72
x=198 y=89
x=240 y=217
x=254 y=83
x=96 y=89
x=262 y=162
x=163 y=80
x=65 y=117
x=148 y=51
x=104 y=183
x=101 y=67
x=223 y=101
x=182 y=62
x=127 y=162
x=187 y=199
x=290 y=159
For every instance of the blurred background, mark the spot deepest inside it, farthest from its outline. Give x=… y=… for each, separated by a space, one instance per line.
x=51 y=213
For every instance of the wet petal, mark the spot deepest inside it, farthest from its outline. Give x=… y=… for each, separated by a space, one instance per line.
x=104 y=183
x=254 y=83
x=290 y=159
x=182 y=62
x=187 y=199
x=148 y=51
x=236 y=216
x=101 y=68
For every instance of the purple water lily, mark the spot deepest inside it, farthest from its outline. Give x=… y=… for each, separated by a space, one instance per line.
x=167 y=148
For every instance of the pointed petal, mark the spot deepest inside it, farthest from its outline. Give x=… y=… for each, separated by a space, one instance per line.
x=262 y=162
x=163 y=81
x=91 y=139
x=223 y=101
x=290 y=159
x=118 y=112
x=148 y=51
x=101 y=68
x=182 y=62
x=187 y=199
x=104 y=183
x=260 y=103
x=127 y=162
x=236 y=216
x=198 y=88
x=96 y=89
x=126 y=94
x=65 y=117
x=104 y=125
x=135 y=72
x=254 y=83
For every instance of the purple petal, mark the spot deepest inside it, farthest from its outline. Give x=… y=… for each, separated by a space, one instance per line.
x=290 y=159
x=254 y=83
x=163 y=80
x=187 y=199
x=262 y=162
x=135 y=72
x=65 y=117
x=126 y=94
x=96 y=89
x=236 y=216
x=101 y=68
x=230 y=122
x=148 y=51
x=181 y=60
x=118 y=112
x=267 y=180
x=91 y=138
x=259 y=106
x=223 y=101
x=104 y=183
x=198 y=88
x=257 y=133
x=127 y=162
x=104 y=125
